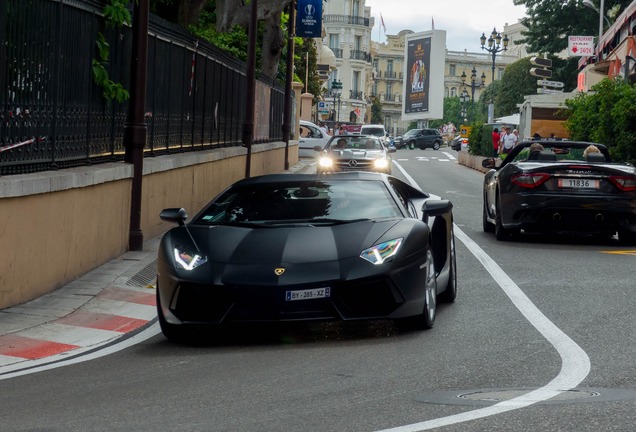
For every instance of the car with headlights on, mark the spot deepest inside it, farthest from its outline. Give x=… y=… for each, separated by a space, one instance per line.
x=560 y=187
x=307 y=247
x=355 y=153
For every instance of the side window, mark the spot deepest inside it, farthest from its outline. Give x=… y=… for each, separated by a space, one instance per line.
x=404 y=199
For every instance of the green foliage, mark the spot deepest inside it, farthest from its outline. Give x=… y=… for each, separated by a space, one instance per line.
x=480 y=140
x=306 y=58
x=550 y=22
x=606 y=115
x=116 y=14
x=515 y=84
x=377 y=116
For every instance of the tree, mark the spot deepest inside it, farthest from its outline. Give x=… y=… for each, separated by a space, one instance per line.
x=550 y=22
x=377 y=116
x=606 y=115
x=515 y=84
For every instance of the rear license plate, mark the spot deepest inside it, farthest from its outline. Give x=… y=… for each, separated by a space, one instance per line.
x=578 y=183
x=308 y=294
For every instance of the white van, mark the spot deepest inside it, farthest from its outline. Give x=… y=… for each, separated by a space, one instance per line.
x=376 y=130
x=310 y=136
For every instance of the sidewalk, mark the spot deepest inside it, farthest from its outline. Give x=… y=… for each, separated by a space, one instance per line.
x=108 y=303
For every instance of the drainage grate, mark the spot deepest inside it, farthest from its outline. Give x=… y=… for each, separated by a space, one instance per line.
x=146 y=277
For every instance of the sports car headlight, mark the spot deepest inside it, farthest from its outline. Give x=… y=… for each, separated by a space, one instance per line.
x=188 y=260
x=381 y=252
x=381 y=163
x=325 y=162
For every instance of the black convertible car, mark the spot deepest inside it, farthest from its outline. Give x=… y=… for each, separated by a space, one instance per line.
x=560 y=187
x=299 y=247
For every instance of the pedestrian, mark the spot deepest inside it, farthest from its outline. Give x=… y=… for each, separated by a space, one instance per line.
x=502 y=135
x=495 y=141
x=509 y=141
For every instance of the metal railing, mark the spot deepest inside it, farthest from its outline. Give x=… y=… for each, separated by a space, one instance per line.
x=346 y=19
x=51 y=107
x=360 y=55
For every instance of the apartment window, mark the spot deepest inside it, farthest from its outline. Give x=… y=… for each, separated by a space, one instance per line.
x=356 y=81
x=389 y=88
x=389 y=66
x=333 y=41
x=451 y=70
x=453 y=91
x=358 y=43
x=355 y=8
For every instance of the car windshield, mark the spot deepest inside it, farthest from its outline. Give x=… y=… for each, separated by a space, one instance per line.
x=354 y=142
x=376 y=131
x=411 y=132
x=546 y=151
x=302 y=202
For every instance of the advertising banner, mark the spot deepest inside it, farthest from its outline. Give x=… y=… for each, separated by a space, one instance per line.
x=425 y=57
x=309 y=19
x=417 y=79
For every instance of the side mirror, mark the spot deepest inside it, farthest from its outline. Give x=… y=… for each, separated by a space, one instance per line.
x=175 y=215
x=318 y=148
x=436 y=208
x=488 y=163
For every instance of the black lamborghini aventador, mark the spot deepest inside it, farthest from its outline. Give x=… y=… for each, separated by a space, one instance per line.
x=299 y=247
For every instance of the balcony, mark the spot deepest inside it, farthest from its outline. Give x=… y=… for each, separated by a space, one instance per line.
x=346 y=19
x=392 y=75
x=337 y=52
x=360 y=55
x=356 y=95
x=392 y=98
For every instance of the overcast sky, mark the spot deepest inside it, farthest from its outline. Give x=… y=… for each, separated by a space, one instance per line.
x=463 y=20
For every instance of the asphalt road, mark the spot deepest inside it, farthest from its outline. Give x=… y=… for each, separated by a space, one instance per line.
x=540 y=339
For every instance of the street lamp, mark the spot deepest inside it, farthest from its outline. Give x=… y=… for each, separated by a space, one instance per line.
x=336 y=91
x=463 y=98
x=473 y=81
x=494 y=46
x=601 y=13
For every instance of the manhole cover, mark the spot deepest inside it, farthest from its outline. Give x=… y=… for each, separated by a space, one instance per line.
x=486 y=397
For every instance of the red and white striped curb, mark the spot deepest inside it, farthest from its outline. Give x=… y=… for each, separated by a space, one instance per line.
x=112 y=313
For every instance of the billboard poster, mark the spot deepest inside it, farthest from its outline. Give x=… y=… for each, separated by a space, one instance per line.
x=309 y=19
x=417 y=79
x=423 y=91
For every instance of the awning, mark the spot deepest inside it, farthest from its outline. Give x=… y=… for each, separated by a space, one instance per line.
x=511 y=119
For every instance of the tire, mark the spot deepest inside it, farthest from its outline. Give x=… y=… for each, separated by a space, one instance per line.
x=626 y=238
x=487 y=226
x=426 y=319
x=436 y=145
x=411 y=145
x=450 y=293
x=501 y=233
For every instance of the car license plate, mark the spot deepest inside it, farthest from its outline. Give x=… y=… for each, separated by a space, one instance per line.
x=307 y=294
x=578 y=183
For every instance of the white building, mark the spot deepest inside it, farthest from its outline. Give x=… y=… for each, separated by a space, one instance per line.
x=347 y=26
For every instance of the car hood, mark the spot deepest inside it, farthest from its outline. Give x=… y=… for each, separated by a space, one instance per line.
x=357 y=154
x=237 y=254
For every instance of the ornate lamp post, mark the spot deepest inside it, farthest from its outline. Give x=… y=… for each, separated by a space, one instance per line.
x=336 y=91
x=463 y=99
x=473 y=84
x=494 y=47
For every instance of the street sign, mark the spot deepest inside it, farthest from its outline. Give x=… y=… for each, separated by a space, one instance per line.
x=546 y=83
x=540 y=61
x=322 y=107
x=542 y=90
x=580 y=46
x=542 y=73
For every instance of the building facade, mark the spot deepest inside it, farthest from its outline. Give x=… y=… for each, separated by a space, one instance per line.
x=347 y=26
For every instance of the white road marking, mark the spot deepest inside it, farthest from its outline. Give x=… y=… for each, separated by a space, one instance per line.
x=575 y=364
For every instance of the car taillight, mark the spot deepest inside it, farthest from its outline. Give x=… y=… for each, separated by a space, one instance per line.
x=530 y=180
x=626 y=183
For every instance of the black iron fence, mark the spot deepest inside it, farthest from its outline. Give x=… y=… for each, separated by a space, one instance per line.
x=53 y=115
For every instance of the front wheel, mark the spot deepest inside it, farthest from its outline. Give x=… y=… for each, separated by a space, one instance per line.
x=487 y=226
x=450 y=293
x=426 y=319
x=436 y=145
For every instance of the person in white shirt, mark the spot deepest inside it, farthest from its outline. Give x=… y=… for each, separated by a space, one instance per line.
x=509 y=141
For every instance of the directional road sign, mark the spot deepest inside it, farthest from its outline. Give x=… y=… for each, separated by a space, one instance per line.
x=540 y=61
x=541 y=73
x=554 y=84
